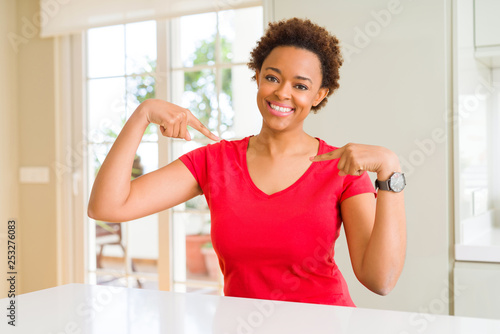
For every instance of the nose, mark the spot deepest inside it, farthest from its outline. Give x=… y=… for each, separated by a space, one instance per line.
x=283 y=91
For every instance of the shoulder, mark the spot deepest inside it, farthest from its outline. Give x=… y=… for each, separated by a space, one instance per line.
x=224 y=151
x=324 y=147
x=228 y=145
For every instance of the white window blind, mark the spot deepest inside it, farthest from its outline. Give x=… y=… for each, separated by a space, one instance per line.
x=62 y=17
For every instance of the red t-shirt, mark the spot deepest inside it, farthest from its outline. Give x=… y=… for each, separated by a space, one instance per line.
x=278 y=246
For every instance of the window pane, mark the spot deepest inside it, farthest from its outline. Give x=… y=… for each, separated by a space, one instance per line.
x=143 y=244
x=240 y=115
x=138 y=237
x=180 y=146
x=97 y=154
x=226 y=102
x=146 y=159
x=106 y=108
x=139 y=89
x=199 y=96
x=191 y=231
x=196 y=40
x=239 y=31
x=125 y=52
x=197 y=203
x=141 y=47
x=473 y=142
x=106 y=51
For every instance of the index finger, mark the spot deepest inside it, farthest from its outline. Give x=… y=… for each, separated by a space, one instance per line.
x=335 y=154
x=197 y=125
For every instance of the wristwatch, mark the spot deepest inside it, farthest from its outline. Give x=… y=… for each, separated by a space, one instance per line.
x=395 y=183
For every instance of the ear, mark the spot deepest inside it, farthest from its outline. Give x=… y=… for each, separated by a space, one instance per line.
x=322 y=93
x=257 y=77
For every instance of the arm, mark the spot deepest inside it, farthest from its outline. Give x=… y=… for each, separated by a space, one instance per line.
x=375 y=229
x=376 y=236
x=114 y=198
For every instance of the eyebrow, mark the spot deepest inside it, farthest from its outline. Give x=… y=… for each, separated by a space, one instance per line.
x=296 y=77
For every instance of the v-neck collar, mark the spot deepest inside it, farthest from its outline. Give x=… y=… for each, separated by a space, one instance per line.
x=257 y=190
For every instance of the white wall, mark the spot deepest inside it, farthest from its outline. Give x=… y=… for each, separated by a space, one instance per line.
x=395 y=92
x=9 y=203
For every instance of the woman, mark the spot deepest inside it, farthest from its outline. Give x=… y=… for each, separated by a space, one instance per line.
x=277 y=199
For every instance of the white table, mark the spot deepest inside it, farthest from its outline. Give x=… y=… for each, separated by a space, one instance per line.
x=84 y=308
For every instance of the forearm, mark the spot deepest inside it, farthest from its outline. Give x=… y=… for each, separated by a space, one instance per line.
x=112 y=185
x=385 y=252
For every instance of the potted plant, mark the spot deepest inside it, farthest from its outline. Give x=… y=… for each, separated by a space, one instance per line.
x=195 y=260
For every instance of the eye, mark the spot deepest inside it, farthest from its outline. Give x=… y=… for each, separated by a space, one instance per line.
x=301 y=87
x=271 y=78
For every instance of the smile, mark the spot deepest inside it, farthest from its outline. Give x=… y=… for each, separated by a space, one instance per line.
x=279 y=110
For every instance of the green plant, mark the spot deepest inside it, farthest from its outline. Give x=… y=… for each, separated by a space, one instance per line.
x=207 y=245
x=203 y=102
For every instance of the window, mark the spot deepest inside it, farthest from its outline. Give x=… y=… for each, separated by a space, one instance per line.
x=210 y=77
x=477 y=144
x=207 y=73
x=120 y=75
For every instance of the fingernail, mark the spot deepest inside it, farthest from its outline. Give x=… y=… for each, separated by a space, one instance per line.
x=311 y=158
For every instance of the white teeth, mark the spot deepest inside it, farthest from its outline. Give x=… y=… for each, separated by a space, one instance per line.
x=280 y=109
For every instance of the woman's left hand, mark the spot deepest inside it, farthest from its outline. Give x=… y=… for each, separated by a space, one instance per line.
x=355 y=159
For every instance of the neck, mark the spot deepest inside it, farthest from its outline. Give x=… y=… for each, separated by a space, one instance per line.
x=279 y=143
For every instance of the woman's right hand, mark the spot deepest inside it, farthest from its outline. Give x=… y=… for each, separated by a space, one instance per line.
x=173 y=119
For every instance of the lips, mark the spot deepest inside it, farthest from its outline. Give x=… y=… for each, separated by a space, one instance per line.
x=279 y=109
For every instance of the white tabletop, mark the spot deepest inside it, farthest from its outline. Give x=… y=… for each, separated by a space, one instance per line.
x=84 y=308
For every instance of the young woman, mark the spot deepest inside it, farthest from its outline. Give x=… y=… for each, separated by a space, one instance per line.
x=277 y=199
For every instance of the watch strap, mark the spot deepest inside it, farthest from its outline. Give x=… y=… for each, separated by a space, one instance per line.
x=383 y=185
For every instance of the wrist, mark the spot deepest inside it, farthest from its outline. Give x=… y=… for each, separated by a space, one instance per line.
x=141 y=114
x=391 y=165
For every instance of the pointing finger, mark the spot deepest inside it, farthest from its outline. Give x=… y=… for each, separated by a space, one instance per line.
x=197 y=125
x=335 y=154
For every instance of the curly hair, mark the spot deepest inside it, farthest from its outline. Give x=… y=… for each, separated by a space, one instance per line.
x=303 y=34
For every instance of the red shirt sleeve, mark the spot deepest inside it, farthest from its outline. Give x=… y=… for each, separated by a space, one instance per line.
x=355 y=185
x=196 y=162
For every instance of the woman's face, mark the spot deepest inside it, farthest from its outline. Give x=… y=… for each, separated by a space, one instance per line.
x=288 y=86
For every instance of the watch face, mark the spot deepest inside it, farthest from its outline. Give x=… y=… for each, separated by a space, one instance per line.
x=397 y=182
